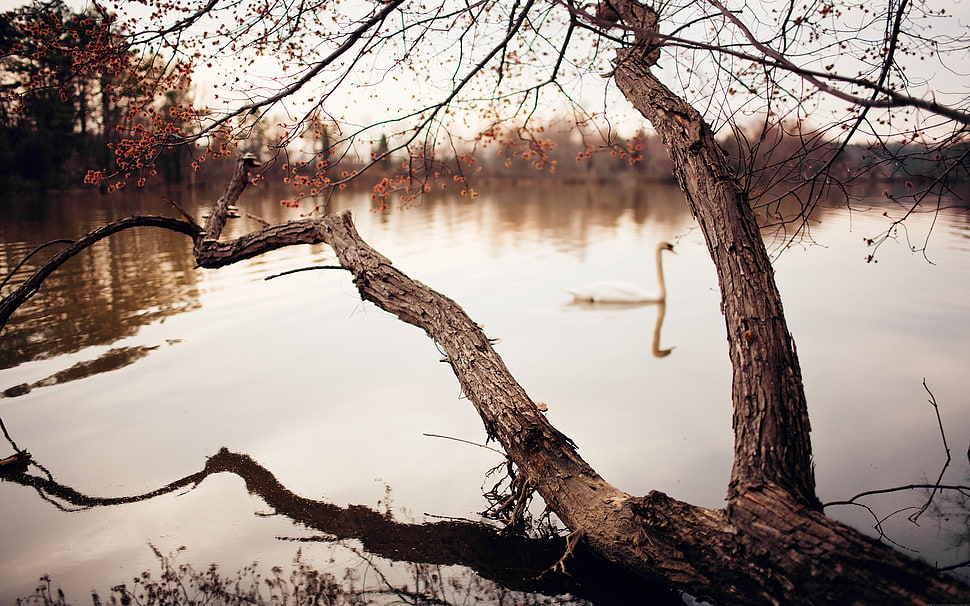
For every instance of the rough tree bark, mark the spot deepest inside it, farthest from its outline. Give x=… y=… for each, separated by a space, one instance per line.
x=770 y=412
x=766 y=547
x=771 y=544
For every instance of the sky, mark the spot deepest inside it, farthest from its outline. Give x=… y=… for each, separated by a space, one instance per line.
x=701 y=82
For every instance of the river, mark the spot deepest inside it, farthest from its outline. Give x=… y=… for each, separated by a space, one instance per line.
x=344 y=404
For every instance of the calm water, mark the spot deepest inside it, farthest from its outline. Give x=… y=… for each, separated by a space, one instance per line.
x=334 y=397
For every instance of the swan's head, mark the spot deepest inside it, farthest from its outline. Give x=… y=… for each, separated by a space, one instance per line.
x=666 y=246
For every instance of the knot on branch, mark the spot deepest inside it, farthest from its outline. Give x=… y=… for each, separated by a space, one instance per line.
x=250 y=160
x=637 y=18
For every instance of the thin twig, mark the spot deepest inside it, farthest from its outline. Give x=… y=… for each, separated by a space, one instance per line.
x=571 y=541
x=299 y=269
x=6 y=434
x=31 y=254
x=183 y=212
x=936 y=408
x=934 y=488
x=434 y=435
x=29 y=287
x=259 y=219
x=867 y=493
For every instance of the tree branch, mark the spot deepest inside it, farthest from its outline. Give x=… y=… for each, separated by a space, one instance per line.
x=893 y=98
x=936 y=486
x=352 y=39
x=27 y=257
x=773 y=59
x=30 y=286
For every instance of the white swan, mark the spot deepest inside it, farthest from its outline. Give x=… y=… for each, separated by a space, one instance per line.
x=622 y=292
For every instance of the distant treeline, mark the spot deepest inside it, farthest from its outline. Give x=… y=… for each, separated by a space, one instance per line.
x=72 y=120
x=789 y=153
x=68 y=122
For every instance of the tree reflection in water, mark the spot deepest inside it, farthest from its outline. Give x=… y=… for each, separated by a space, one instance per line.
x=505 y=567
x=113 y=359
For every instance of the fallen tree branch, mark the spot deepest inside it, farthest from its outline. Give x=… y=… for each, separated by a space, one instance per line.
x=771 y=544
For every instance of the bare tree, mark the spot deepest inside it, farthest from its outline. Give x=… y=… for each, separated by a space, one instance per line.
x=771 y=543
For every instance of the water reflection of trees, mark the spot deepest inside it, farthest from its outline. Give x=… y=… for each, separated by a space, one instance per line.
x=141 y=276
x=509 y=562
x=104 y=294
x=547 y=208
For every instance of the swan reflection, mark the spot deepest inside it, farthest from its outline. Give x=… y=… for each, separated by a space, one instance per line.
x=661 y=307
x=655 y=347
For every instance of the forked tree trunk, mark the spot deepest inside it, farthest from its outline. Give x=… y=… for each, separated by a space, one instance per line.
x=767 y=547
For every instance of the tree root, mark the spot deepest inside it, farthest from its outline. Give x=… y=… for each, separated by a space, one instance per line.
x=571 y=541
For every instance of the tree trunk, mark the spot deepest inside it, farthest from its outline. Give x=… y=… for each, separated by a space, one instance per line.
x=771 y=425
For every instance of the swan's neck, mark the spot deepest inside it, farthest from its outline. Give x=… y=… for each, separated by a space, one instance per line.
x=660 y=275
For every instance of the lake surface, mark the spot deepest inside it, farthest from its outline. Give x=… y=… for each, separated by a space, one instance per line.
x=335 y=398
